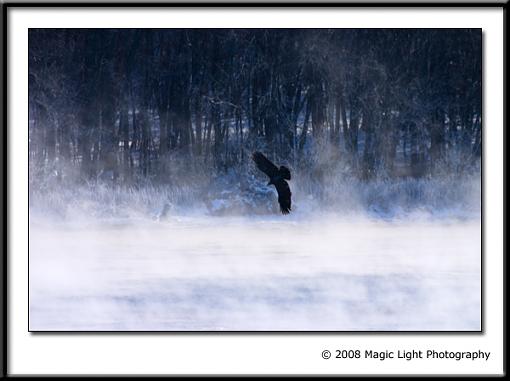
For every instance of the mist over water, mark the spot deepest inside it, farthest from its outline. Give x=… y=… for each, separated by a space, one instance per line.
x=349 y=266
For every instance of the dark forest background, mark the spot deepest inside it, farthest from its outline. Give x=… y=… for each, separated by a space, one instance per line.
x=133 y=105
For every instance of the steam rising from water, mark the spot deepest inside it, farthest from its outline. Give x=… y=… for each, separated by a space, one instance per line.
x=265 y=273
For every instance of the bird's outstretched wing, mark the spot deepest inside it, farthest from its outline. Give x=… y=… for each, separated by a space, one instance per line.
x=264 y=164
x=284 y=195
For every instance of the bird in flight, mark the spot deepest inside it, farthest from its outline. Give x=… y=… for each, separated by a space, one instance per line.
x=277 y=177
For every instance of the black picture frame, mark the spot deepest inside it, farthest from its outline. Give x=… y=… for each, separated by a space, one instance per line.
x=6 y=6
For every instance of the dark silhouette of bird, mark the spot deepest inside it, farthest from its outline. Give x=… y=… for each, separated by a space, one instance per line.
x=277 y=177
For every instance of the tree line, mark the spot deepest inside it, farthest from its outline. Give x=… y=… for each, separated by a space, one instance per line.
x=130 y=103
